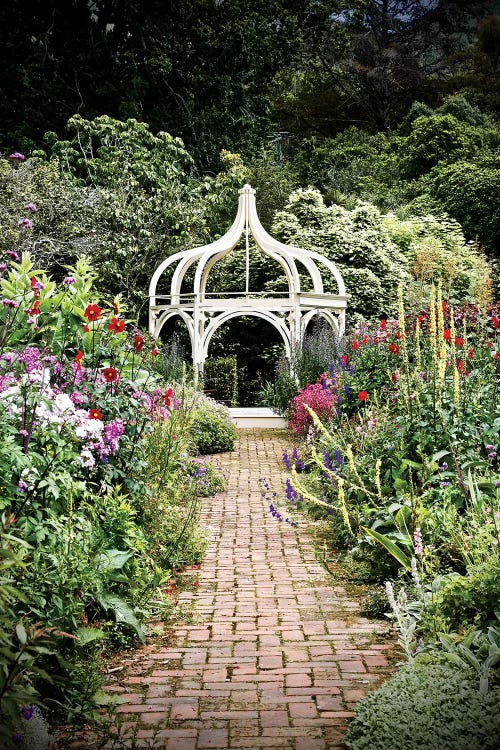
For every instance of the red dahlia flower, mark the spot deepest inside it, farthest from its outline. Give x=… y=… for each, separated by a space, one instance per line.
x=92 y=312
x=355 y=345
x=447 y=334
x=394 y=348
x=138 y=343
x=117 y=326
x=95 y=414
x=110 y=374
x=363 y=395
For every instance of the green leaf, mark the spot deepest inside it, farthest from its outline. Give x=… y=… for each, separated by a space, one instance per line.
x=21 y=633
x=392 y=548
x=113 y=559
x=122 y=611
x=89 y=635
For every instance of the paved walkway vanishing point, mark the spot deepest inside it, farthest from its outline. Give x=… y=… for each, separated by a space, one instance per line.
x=277 y=656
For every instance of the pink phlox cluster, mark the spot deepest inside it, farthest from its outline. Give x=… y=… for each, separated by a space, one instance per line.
x=30 y=356
x=112 y=432
x=321 y=400
x=77 y=398
x=6 y=382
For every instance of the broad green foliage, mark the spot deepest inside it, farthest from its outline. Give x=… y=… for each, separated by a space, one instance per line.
x=357 y=243
x=465 y=190
x=442 y=160
x=436 y=250
x=118 y=193
x=430 y=704
x=212 y=431
x=435 y=139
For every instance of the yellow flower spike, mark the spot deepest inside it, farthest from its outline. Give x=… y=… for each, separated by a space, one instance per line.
x=440 y=314
x=418 y=354
x=296 y=485
x=317 y=421
x=342 y=505
x=432 y=325
x=401 y=311
x=456 y=387
x=378 y=464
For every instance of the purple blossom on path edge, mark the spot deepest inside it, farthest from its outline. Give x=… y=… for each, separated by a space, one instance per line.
x=16 y=156
x=24 y=222
x=69 y=280
x=31 y=207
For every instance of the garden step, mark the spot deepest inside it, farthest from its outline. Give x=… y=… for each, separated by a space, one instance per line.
x=259 y=417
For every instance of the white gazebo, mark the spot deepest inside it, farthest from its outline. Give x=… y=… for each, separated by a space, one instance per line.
x=204 y=312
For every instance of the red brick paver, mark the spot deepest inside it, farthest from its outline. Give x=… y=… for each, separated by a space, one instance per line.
x=277 y=655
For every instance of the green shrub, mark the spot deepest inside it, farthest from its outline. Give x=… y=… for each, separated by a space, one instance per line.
x=471 y=600
x=212 y=430
x=427 y=705
x=221 y=376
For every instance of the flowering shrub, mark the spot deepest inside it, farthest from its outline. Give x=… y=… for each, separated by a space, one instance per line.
x=407 y=473
x=90 y=440
x=315 y=396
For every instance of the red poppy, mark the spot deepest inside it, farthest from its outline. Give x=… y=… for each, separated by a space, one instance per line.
x=460 y=365
x=35 y=310
x=376 y=339
x=92 y=312
x=444 y=306
x=138 y=343
x=117 y=326
x=86 y=329
x=363 y=395
x=343 y=359
x=495 y=321
x=355 y=345
x=110 y=374
x=447 y=334
x=470 y=353
x=95 y=414
x=459 y=341
x=364 y=340
x=394 y=348
x=168 y=397
x=78 y=360
x=383 y=325
x=154 y=353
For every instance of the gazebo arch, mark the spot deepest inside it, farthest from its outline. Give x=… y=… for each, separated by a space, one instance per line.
x=289 y=312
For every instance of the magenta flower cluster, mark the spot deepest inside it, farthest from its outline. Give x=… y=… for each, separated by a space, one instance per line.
x=322 y=401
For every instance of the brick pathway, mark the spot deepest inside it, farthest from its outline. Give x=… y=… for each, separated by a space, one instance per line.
x=277 y=656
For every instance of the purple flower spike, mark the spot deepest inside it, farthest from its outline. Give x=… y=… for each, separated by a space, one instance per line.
x=69 y=280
